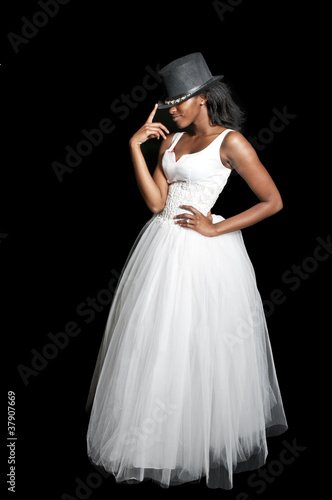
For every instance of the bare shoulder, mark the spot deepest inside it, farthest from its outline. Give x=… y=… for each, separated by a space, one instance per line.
x=235 y=140
x=235 y=147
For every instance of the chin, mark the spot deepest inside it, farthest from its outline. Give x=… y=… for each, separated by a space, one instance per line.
x=182 y=124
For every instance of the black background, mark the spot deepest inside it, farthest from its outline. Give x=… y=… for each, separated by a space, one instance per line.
x=62 y=242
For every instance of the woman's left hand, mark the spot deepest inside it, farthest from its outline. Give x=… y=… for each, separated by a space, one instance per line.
x=196 y=221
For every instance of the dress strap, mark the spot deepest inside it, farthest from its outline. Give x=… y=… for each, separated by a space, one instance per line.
x=216 y=145
x=223 y=135
x=176 y=138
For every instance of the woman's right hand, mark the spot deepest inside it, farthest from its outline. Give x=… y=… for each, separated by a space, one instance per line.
x=149 y=130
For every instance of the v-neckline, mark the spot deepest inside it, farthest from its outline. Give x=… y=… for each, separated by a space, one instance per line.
x=191 y=154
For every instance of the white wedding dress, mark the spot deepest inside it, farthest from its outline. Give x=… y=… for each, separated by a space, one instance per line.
x=185 y=385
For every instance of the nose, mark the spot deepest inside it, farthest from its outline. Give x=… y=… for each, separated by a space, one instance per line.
x=172 y=110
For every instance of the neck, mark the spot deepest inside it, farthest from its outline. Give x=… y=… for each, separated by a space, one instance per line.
x=207 y=130
x=201 y=125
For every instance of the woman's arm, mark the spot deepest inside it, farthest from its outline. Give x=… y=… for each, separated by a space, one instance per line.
x=152 y=188
x=238 y=153
x=241 y=156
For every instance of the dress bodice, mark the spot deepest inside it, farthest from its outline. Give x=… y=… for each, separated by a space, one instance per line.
x=195 y=179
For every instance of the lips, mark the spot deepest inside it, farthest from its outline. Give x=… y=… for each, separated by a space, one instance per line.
x=175 y=117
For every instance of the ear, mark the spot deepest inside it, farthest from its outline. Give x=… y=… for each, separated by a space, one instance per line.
x=201 y=99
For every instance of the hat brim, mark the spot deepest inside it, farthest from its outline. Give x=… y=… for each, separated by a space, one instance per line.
x=161 y=102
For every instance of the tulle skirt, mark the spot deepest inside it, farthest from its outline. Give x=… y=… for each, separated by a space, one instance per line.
x=185 y=385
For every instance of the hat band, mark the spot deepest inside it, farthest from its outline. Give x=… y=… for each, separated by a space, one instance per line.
x=193 y=91
x=176 y=101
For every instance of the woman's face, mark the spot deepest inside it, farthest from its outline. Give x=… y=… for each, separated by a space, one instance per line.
x=187 y=112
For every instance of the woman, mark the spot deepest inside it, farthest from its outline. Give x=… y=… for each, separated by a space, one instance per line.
x=185 y=385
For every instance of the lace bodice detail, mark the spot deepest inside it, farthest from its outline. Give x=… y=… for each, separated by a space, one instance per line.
x=196 y=179
x=197 y=195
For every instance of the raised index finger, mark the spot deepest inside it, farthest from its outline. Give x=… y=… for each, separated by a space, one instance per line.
x=151 y=115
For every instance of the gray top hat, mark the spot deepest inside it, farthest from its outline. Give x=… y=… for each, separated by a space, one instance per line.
x=184 y=78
